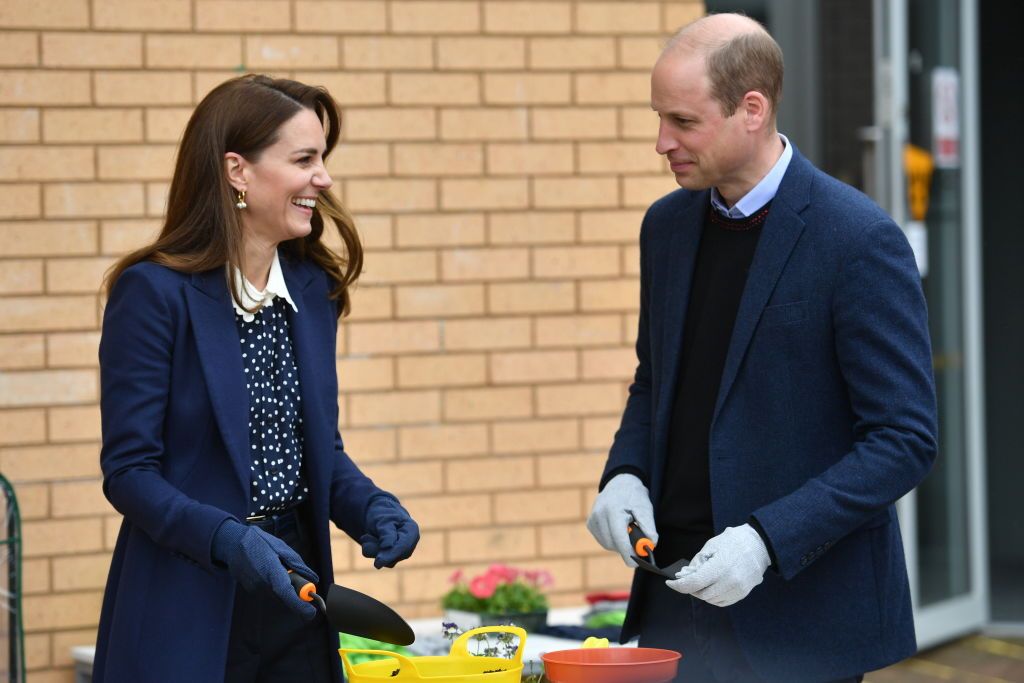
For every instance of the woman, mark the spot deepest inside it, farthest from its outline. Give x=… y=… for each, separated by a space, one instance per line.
x=219 y=406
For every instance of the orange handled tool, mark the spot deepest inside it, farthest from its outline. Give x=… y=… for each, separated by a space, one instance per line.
x=643 y=549
x=307 y=591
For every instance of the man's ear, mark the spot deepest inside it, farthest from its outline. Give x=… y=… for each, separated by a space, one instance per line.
x=756 y=109
x=236 y=168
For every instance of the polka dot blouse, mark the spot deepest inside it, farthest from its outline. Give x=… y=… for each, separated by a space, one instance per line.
x=275 y=410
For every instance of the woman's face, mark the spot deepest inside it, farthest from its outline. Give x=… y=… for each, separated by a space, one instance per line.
x=283 y=183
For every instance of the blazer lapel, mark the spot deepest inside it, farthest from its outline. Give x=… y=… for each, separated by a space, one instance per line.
x=216 y=334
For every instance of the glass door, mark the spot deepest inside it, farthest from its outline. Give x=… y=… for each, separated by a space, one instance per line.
x=925 y=164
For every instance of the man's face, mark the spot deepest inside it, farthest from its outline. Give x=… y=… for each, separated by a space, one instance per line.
x=704 y=148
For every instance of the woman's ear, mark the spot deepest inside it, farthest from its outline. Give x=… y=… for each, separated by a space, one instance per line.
x=235 y=166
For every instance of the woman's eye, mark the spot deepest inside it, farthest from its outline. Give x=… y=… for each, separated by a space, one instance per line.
x=305 y=160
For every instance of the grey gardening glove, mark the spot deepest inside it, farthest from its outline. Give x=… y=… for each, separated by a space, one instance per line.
x=726 y=569
x=624 y=499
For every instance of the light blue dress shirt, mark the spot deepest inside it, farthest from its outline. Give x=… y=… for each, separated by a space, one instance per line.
x=760 y=194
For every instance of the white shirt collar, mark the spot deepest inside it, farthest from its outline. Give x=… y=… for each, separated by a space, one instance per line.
x=760 y=194
x=253 y=297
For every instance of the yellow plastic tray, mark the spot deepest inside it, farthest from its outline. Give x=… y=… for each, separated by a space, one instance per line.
x=459 y=666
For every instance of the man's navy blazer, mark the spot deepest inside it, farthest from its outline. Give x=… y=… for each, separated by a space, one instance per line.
x=176 y=462
x=825 y=416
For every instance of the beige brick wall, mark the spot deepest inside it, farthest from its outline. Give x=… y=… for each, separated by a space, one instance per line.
x=498 y=156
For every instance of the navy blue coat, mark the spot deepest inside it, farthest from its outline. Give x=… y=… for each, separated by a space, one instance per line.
x=176 y=462
x=825 y=416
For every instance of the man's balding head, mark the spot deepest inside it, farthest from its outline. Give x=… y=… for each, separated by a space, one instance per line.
x=739 y=54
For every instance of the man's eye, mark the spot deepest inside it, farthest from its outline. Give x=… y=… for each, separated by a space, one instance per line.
x=683 y=122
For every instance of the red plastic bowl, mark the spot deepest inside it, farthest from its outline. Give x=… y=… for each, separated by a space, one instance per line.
x=611 y=665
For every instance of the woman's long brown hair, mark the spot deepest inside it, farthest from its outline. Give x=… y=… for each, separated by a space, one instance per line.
x=203 y=229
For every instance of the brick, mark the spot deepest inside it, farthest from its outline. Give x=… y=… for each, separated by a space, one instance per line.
x=613 y=88
x=444 y=440
x=61 y=611
x=289 y=52
x=533 y=227
x=439 y=301
x=502 y=543
x=389 y=124
x=428 y=583
x=446 y=512
x=477 y=54
x=399 y=266
x=575 y=262
x=442 y=230
x=487 y=334
x=485 y=264
x=407 y=478
x=373 y=444
x=143 y=87
x=641 y=192
x=383 y=586
x=436 y=17
x=610 y=295
x=19 y=427
x=607 y=571
x=19 y=200
x=205 y=81
x=580 y=399
x=599 y=432
x=18 y=48
x=122 y=236
x=619 y=363
x=533 y=367
x=74 y=423
x=357 y=89
x=576 y=123
x=78 y=499
x=439 y=159
x=63 y=641
x=621 y=157
x=529 y=159
x=136 y=162
x=531 y=297
x=640 y=53
x=611 y=226
x=35 y=574
x=484 y=404
x=429 y=552
x=535 y=436
x=21 y=351
x=439 y=89
x=572 y=53
x=679 y=14
x=21 y=277
x=385 y=52
x=142 y=14
x=354 y=16
x=52 y=14
x=391 y=194
x=537 y=506
x=84 y=50
x=558 y=193
x=579 y=330
x=54 y=238
x=79 y=200
x=582 y=469
x=485 y=193
x=33 y=314
x=19 y=125
x=42 y=387
x=393 y=337
x=374 y=230
x=33 y=500
x=165 y=124
x=639 y=123
x=22 y=162
x=37 y=656
x=630 y=324
x=569 y=539
x=395 y=407
x=450 y=369
x=360 y=374
x=73 y=275
x=62 y=537
x=490 y=474
x=191 y=51
x=618 y=17
x=44 y=87
x=505 y=16
x=92 y=125
x=484 y=124
x=356 y=160
x=242 y=15
x=373 y=303
x=527 y=88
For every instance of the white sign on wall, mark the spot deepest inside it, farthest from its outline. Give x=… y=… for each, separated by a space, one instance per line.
x=946 y=117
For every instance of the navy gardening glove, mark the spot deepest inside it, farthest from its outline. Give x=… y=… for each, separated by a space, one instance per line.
x=391 y=534
x=256 y=558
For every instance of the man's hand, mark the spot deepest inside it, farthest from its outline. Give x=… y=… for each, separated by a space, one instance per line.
x=623 y=499
x=726 y=569
x=391 y=533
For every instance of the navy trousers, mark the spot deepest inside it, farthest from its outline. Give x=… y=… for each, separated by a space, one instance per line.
x=269 y=642
x=702 y=633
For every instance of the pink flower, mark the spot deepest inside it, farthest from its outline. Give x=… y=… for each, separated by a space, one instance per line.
x=456 y=576
x=502 y=572
x=483 y=587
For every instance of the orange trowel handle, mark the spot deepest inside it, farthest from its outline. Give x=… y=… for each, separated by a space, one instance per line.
x=642 y=545
x=305 y=589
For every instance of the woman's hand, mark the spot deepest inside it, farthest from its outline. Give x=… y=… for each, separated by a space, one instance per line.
x=391 y=533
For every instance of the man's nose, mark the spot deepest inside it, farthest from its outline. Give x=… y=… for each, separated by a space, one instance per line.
x=666 y=143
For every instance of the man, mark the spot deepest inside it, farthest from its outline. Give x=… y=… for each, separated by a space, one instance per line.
x=784 y=396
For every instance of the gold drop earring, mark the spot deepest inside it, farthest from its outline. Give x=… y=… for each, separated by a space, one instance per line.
x=241 y=200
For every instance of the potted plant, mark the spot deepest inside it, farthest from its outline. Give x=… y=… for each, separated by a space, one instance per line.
x=500 y=595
